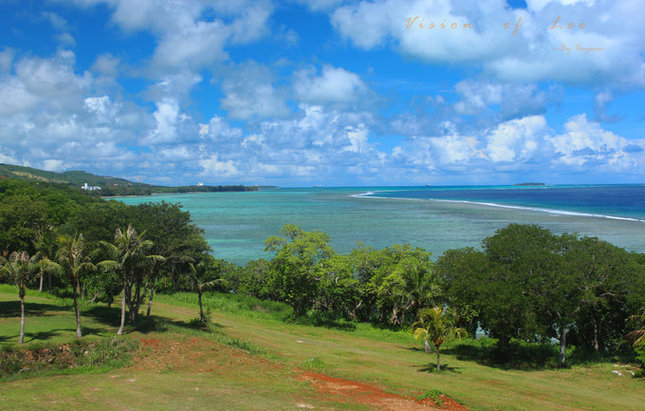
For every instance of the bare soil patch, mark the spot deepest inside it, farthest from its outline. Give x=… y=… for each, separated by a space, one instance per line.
x=360 y=393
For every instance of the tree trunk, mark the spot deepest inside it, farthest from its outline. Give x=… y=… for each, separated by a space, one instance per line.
x=40 y=287
x=202 y=317
x=394 y=318
x=427 y=346
x=22 y=318
x=562 y=358
x=134 y=302
x=125 y=283
x=78 y=313
x=438 y=358
x=152 y=295
x=96 y=295
x=596 y=345
x=128 y=301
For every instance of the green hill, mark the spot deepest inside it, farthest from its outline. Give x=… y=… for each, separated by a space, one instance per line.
x=110 y=186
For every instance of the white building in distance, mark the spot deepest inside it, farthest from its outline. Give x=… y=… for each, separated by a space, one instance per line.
x=90 y=188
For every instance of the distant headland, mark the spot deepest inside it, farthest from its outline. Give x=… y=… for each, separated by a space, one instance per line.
x=106 y=186
x=529 y=184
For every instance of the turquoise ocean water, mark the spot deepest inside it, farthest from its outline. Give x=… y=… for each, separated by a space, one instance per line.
x=436 y=218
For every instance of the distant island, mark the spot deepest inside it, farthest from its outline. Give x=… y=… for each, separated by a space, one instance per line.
x=529 y=184
x=106 y=186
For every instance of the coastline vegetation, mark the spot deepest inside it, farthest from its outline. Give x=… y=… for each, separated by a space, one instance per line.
x=528 y=299
x=109 y=186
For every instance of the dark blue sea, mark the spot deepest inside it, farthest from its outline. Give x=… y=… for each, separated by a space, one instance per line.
x=627 y=201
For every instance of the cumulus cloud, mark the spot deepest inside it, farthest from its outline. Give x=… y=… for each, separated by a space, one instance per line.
x=517 y=141
x=249 y=93
x=512 y=99
x=332 y=86
x=213 y=167
x=171 y=124
x=50 y=117
x=48 y=82
x=106 y=64
x=191 y=34
x=6 y=57
x=534 y=53
x=585 y=144
x=600 y=107
x=317 y=143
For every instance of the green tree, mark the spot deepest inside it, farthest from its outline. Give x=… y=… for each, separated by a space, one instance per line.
x=463 y=275
x=403 y=283
x=128 y=252
x=437 y=325
x=45 y=245
x=338 y=293
x=523 y=262
x=174 y=237
x=21 y=216
x=19 y=268
x=296 y=267
x=205 y=275
x=637 y=336
x=74 y=262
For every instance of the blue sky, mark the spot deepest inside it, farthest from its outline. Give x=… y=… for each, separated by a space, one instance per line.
x=333 y=92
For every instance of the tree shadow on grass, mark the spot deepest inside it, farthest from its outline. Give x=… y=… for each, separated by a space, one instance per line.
x=431 y=367
x=10 y=309
x=112 y=316
x=323 y=322
x=515 y=356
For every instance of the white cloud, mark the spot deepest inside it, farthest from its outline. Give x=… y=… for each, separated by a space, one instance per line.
x=333 y=86
x=58 y=22
x=586 y=143
x=6 y=157
x=219 y=130
x=601 y=102
x=517 y=141
x=529 y=55
x=512 y=99
x=249 y=93
x=51 y=119
x=319 y=5
x=6 y=58
x=168 y=123
x=106 y=64
x=53 y=165
x=212 y=167
x=191 y=34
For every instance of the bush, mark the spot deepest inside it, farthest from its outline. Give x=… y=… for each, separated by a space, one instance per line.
x=640 y=357
x=79 y=355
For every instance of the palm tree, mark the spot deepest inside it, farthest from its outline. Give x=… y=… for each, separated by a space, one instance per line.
x=45 y=247
x=19 y=268
x=204 y=277
x=437 y=325
x=73 y=261
x=128 y=251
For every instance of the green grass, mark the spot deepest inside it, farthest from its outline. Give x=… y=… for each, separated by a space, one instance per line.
x=390 y=359
x=47 y=318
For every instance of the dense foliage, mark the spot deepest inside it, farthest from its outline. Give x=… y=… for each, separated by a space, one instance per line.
x=525 y=284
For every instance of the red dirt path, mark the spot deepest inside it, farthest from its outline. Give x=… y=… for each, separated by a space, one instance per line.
x=356 y=392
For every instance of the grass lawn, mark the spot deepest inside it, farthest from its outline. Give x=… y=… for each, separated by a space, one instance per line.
x=180 y=368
